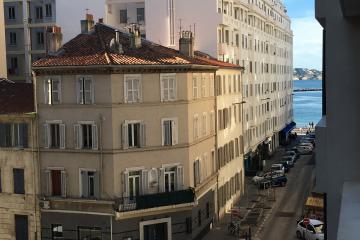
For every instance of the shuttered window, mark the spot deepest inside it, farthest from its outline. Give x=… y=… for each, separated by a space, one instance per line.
x=170 y=132
x=168 y=87
x=85 y=90
x=197 y=172
x=90 y=184
x=52 y=90
x=133 y=134
x=132 y=88
x=54 y=135
x=14 y=135
x=86 y=136
x=19 y=181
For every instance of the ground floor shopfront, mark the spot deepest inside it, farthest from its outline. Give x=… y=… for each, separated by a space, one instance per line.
x=186 y=221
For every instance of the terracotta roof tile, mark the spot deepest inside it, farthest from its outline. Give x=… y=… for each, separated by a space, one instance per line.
x=94 y=49
x=16 y=98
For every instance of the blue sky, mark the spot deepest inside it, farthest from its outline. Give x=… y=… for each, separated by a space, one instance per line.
x=307 y=34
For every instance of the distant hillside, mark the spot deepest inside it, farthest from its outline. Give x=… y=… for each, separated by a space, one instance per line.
x=306 y=74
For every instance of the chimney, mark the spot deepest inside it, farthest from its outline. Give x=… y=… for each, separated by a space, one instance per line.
x=53 y=40
x=115 y=44
x=88 y=24
x=186 y=43
x=135 y=37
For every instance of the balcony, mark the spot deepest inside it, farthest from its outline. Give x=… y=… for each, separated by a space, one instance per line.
x=147 y=204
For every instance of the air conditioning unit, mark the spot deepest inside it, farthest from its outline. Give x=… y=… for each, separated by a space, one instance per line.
x=44 y=204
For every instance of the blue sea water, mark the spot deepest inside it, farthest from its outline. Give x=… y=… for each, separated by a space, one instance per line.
x=307 y=105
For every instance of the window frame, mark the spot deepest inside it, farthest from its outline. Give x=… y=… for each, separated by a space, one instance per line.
x=20 y=189
x=12 y=39
x=49 y=90
x=81 y=93
x=174 y=131
x=11 y=13
x=39 y=13
x=132 y=78
x=167 y=77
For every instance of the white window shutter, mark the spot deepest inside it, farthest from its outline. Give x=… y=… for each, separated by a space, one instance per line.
x=180 y=178
x=175 y=88
x=78 y=91
x=144 y=182
x=162 y=180
x=63 y=184
x=92 y=91
x=126 y=184
x=125 y=91
x=62 y=136
x=95 y=137
x=196 y=173
x=125 y=136
x=48 y=183
x=59 y=89
x=142 y=135
x=175 y=132
x=140 y=91
x=47 y=136
x=162 y=88
x=78 y=136
x=46 y=91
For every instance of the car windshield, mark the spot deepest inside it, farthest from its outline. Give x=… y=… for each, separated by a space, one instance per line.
x=319 y=228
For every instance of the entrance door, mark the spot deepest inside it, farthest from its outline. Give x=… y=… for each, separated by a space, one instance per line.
x=156 y=232
x=21 y=227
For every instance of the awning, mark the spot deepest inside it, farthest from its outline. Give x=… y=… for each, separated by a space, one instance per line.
x=289 y=127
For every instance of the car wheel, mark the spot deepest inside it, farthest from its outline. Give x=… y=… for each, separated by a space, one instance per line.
x=298 y=235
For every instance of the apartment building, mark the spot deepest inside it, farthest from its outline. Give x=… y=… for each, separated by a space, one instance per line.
x=25 y=33
x=337 y=165
x=128 y=146
x=3 y=72
x=255 y=34
x=19 y=212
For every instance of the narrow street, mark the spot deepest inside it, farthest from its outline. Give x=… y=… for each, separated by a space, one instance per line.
x=281 y=222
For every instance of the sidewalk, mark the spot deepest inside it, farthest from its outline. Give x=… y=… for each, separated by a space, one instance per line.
x=252 y=200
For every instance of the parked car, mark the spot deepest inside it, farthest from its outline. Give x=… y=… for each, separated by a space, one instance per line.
x=275 y=181
x=304 y=150
x=289 y=159
x=313 y=231
x=286 y=165
x=292 y=153
x=306 y=145
x=278 y=167
x=308 y=140
x=261 y=175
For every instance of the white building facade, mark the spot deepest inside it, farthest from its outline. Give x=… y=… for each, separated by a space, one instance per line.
x=255 y=34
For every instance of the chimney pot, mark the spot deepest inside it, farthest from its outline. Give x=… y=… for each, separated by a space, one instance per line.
x=53 y=40
x=135 y=37
x=186 y=43
x=88 y=24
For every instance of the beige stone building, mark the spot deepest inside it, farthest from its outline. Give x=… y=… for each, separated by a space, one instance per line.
x=3 y=72
x=127 y=133
x=19 y=212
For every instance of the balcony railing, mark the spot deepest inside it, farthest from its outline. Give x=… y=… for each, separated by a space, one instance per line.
x=156 y=200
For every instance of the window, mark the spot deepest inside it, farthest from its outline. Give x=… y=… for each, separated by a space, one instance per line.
x=40 y=38
x=48 y=10
x=170 y=179
x=212 y=122
x=56 y=182
x=168 y=87
x=52 y=91
x=56 y=231
x=123 y=16
x=19 y=185
x=14 y=135
x=90 y=184
x=86 y=135
x=212 y=85
x=134 y=184
x=54 y=135
x=204 y=124
x=85 y=233
x=132 y=88
x=170 y=132
x=133 y=134
x=85 y=90
x=195 y=83
x=14 y=66
x=11 y=13
x=21 y=227
x=39 y=13
x=203 y=85
x=196 y=127
x=197 y=172
x=140 y=13
x=12 y=38
x=171 y=15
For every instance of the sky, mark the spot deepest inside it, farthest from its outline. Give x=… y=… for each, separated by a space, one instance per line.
x=307 y=34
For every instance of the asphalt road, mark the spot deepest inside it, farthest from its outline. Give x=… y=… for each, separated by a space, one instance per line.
x=281 y=223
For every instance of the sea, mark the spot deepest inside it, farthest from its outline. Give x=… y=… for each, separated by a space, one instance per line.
x=307 y=105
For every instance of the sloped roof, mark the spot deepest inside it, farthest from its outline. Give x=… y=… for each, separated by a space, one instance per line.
x=16 y=98
x=93 y=49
